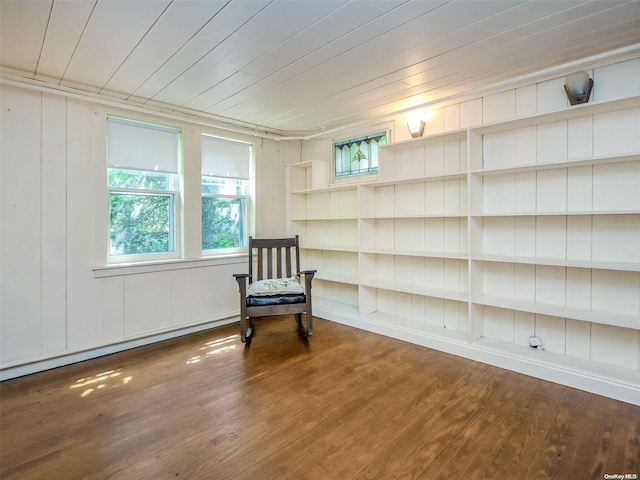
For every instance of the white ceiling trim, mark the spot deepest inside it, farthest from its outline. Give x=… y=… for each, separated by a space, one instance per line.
x=293 y=68
x=101 y=99
x=549 y=73
x=204 y=119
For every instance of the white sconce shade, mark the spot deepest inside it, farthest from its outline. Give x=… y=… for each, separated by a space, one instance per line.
x=415 y=123
x=578 y=87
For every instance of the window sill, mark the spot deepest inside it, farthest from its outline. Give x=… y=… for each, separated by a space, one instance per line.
x=116 y=270
x=355 y=179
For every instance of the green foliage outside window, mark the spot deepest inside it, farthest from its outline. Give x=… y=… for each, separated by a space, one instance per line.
x=140 y=222
x=141 y=180
x=141 y=215
x=222 y=222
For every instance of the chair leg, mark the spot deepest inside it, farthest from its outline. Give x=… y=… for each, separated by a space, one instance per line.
x=243 y=329
x=246 y=331
x=302 y=330
x=309 y=323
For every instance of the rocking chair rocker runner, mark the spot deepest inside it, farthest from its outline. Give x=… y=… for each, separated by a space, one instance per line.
x=279 y=294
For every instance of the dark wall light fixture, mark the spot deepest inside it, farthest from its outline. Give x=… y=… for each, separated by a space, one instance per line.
x=578 y=87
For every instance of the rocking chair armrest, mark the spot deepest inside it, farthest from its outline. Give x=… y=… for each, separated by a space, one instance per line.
x=241 y=278
x=308 y=276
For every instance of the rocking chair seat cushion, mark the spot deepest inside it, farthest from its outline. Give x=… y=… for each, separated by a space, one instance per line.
x=262 y=300
x=275 y=286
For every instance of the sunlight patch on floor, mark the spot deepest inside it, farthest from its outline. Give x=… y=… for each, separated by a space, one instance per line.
x=215 y=347
x=100 y=381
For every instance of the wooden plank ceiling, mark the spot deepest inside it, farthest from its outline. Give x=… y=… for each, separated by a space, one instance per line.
x=297 y=67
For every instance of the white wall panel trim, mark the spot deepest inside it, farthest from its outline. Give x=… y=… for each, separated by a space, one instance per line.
x=27 y=367
x=608 y=381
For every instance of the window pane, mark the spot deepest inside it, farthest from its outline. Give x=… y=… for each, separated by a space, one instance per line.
x=223 y=186
x=223 y=222
x=358 y=155
x=120 y=178
x=141 y=223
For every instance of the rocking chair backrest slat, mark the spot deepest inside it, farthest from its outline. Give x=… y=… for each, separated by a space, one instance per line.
x=264 y=248
x=269 y=263
x=279 y=263
x=260 y=264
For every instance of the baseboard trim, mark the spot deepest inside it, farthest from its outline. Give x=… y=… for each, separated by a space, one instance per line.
x=67 y=358
x=612 y=382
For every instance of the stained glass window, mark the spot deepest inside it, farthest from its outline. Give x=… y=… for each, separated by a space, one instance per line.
x=358 y=155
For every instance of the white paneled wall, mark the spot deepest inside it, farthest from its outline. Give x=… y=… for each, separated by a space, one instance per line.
x=21 y=235
x=466 y=236
x=54 y=308
x=515 y=215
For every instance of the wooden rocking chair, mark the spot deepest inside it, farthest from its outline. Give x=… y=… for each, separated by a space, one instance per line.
x=276 y=292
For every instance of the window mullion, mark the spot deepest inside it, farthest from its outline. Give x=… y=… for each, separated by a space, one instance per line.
x=143 y=191
x=222 y=195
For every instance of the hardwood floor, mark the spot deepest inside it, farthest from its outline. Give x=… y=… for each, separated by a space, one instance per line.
x=347 y=404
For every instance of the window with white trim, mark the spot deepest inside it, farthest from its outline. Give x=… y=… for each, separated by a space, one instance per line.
x=226 y=191
x=144 y=190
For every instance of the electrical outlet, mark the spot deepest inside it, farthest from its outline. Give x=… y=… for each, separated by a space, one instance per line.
x=535 y=342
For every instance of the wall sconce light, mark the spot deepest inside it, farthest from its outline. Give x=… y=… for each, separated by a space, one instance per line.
x=415 y=123
x=578 y=87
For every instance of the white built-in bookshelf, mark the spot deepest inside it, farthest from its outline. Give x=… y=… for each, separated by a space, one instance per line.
x=326 y=218
x=473 y=240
